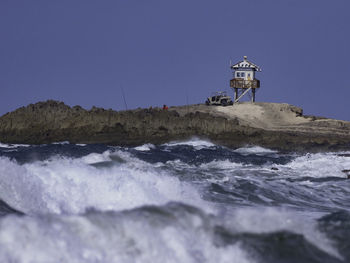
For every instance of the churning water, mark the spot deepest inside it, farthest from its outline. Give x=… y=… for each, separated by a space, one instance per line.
x=190 y=201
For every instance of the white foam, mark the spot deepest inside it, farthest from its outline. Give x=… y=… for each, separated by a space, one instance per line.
x=62 y=143
x=196 y=143
x=254 y=150
x=112 y=238
x=144 y=148
x=4 y=145
x=316 y=165
x=225 y=165
x=96 y=157
x=72 y=185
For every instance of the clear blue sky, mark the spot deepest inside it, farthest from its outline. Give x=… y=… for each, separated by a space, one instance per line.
x=167 y=52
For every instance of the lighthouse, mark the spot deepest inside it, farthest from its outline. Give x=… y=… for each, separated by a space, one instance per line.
x=244 y=81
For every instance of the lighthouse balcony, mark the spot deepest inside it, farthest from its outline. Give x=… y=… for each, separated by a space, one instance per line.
x=244 y=84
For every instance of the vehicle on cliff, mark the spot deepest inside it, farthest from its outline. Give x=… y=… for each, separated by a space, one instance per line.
x=219 y=98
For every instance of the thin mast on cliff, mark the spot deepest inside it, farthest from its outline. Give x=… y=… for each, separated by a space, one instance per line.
x=244 y=80
x=126 y=105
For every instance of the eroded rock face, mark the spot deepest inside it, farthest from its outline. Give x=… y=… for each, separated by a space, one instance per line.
x=52 y=121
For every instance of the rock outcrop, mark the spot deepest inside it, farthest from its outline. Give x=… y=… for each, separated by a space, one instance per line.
x=272 y=125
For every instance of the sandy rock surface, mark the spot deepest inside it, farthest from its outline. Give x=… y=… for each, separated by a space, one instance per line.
x=272 y=117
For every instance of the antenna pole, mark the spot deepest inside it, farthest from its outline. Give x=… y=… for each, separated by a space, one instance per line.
x=126 y=105
x=187 y=99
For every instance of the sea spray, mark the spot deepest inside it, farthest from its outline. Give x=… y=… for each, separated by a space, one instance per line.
x=190 y=201
x=64 y=185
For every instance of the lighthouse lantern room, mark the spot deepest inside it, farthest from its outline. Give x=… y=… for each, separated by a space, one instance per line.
x=244 y=81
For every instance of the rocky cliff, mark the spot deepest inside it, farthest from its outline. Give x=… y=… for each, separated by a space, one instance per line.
x=272 y=125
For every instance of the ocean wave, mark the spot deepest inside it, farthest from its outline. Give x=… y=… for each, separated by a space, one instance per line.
x=97 y=157
x=145 y=147
x=268 y=220
x=65 y=185
x=257 y=150
x=225 y=165
x=316 y=165
x=196 y=143
x=61 y=143
x=11 y=146
x=170 y=233
x=100 y=203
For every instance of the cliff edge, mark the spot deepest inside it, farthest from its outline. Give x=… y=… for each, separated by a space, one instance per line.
x=273 y=125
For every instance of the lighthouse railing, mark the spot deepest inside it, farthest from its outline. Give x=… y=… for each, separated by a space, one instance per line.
x=244 y=84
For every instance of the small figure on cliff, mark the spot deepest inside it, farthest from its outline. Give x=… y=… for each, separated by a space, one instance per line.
x=165 y=107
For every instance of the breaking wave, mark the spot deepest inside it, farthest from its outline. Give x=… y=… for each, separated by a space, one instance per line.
x=196 y=143
x=171 y=233
x=190 y=201
x=108 y=181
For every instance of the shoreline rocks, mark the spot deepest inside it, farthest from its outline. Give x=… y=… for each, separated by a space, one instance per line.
x=271 y=125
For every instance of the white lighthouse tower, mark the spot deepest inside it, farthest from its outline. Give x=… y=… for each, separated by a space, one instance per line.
x=244 y=80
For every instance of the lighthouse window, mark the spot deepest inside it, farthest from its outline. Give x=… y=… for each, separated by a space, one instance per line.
x=238 y=75
x=242 y=74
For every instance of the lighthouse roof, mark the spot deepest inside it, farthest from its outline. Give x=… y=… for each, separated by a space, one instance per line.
x=245 y=64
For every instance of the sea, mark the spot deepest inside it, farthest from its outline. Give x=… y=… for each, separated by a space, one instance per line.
x=184 y=201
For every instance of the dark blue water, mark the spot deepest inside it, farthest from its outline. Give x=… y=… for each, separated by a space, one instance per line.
x=191 y=201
